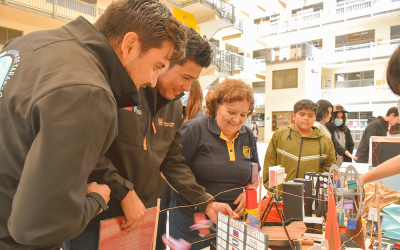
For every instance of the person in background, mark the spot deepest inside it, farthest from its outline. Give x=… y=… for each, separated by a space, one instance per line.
x=194 y=106
x=394 y=131
x=255 y=131
x=299 y=147
x=377 y=127
x=219 y=150
x=341 y=132
x=324 y=115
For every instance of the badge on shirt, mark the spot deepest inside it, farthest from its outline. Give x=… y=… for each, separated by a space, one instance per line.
x=160 y=121
x=246 y=152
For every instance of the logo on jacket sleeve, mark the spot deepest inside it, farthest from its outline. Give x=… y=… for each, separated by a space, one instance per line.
x=8 y=64
x=246 y=152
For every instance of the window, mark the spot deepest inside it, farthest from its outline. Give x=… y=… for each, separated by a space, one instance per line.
x=259 y=53
x=231 y=48
x=262 y=19
x=284 y=79
x=7 y=34
x=354 y=79
x=310 y=8
x=355 y=38
x=216 y=42
x=394 y=32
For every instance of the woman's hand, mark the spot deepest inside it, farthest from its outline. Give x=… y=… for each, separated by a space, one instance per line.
x=241 y=200
x=350 y=155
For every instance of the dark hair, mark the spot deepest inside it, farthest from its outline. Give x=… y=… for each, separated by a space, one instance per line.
x=195 y=100
x=197 y=50
x=323 y=109
x=395 y=129
x=342 y=127
x=393 y=72
x=305 y=104
x=149 y=19
x=393 y=110
x=230 y=90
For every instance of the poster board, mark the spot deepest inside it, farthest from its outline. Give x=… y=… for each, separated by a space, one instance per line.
x=236 y=235
x=111 y=237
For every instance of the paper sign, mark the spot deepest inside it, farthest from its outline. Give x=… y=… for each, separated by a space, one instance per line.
x=372 y=214
x=111 y=237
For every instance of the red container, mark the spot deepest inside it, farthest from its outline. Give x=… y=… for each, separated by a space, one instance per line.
x=273 y=215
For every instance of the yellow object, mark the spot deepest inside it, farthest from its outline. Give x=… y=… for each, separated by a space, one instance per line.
x=251 y=211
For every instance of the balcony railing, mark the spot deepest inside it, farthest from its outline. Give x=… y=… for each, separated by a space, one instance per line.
x=66 y=9
x=223 y=9
x=315 y=19
x=239 y=25
x=227 y=62
x=361 y=52
x=292 y=52
x=360 y=95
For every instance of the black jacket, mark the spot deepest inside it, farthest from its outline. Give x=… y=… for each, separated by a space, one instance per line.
x=377 y=127
x=349 y=146
x=147 y=144
x=58 y=116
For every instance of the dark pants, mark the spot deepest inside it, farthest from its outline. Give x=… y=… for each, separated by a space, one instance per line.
x=87 y=240
x=179 y=222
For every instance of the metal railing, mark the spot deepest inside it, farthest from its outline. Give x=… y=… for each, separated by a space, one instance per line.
x=67 y=9
x=315 y=19
x=367 y=51
x=227 y=62
x=360 y=95
x=239 y=25
x=292 y=52
x=223 y=9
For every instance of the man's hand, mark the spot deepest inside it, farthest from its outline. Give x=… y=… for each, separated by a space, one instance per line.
x=101 y=189
x=134 y=211
x=214 y=207
x=241 y=199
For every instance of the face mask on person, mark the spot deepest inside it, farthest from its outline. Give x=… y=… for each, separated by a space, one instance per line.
x=185 y=99
x=338 y=122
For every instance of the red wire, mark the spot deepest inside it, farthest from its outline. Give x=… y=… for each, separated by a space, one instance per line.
x=375 y=153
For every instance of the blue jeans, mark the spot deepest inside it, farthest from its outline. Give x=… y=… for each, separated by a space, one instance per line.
x=180 y=220
x=87 y=240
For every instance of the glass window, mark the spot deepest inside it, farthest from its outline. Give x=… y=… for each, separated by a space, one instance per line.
x=355 y=38
x=354 y=76
x=395 y=32
x=283 y=79
x=340 y=77
x=368 y=74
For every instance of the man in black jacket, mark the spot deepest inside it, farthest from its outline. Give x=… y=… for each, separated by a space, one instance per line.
x=148 y=144
x=59 y=94
x=377 y=127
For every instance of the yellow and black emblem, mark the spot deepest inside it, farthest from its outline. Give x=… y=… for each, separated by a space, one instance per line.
x=246 y=151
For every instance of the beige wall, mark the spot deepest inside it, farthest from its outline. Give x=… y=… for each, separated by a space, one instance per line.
x=26 y=21
x=282 y=99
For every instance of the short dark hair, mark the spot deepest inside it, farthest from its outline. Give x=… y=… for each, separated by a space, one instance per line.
x=323 y=109
x=305 y=104
x=198 y=50
x=393 y=72
x=393 y=110
x=150 y=19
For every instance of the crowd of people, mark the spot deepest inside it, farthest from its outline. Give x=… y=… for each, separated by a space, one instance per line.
x=102 y=128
